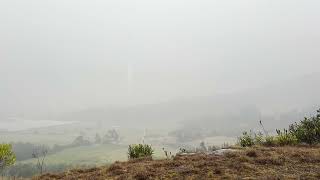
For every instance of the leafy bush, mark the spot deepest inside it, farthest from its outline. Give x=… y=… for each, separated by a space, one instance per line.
x=7 y=156
x=308 y=130
x=286 y=138
x=246 y=140
x=139 y=151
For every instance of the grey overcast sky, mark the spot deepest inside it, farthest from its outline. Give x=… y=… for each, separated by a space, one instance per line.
x=63 y=55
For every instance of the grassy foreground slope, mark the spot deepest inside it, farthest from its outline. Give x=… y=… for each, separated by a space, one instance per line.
x=255 y=162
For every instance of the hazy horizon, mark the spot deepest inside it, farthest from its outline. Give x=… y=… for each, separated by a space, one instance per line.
x=60 y=56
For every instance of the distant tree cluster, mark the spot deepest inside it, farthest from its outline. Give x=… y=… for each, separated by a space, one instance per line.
x=188 y=134
x=80 y=141
x=111 y=137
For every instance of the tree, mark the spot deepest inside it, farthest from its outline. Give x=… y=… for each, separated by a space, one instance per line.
x=40 y=155
x=112 y=136
x=7 y=156
x=80 y=141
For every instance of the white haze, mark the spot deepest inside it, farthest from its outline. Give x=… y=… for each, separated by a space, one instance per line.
x=68 y=55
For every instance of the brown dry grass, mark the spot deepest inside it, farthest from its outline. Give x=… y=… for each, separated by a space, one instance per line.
x=252 y=163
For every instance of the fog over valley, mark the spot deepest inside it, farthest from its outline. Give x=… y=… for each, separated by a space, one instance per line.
x=96 y=76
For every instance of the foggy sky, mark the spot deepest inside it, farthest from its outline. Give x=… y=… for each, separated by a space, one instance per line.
x=64 y=55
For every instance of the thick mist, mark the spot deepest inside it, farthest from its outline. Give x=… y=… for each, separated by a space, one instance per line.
x=86 y=83
x=66 y=56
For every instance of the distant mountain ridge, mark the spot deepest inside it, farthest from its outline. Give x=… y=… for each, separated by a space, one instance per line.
x=299 y=95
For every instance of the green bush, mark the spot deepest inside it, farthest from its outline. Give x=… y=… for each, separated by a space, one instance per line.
x=286 y=138
x=308 y=130
x=7 y=156
x=246 y=140
x=250 y=139
x=139 y=151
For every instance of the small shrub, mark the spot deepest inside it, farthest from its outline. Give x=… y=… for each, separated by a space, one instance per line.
x=246 y=140
x=258 y=138
x=286 y=138
x=270 y=141
x=139 y=151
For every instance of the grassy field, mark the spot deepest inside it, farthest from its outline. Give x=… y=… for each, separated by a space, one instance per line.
x=87 y=155
x=94 y=155
x=246 y=163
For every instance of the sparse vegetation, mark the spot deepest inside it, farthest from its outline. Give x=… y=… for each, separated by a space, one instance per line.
x=306 y=131
x=140 y=151
x=270 y=141
x=281 y=139
x=40 y=154
x=285 y=138
x=285 y=160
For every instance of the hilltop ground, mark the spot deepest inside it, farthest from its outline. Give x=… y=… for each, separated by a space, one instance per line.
x=257 y=162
